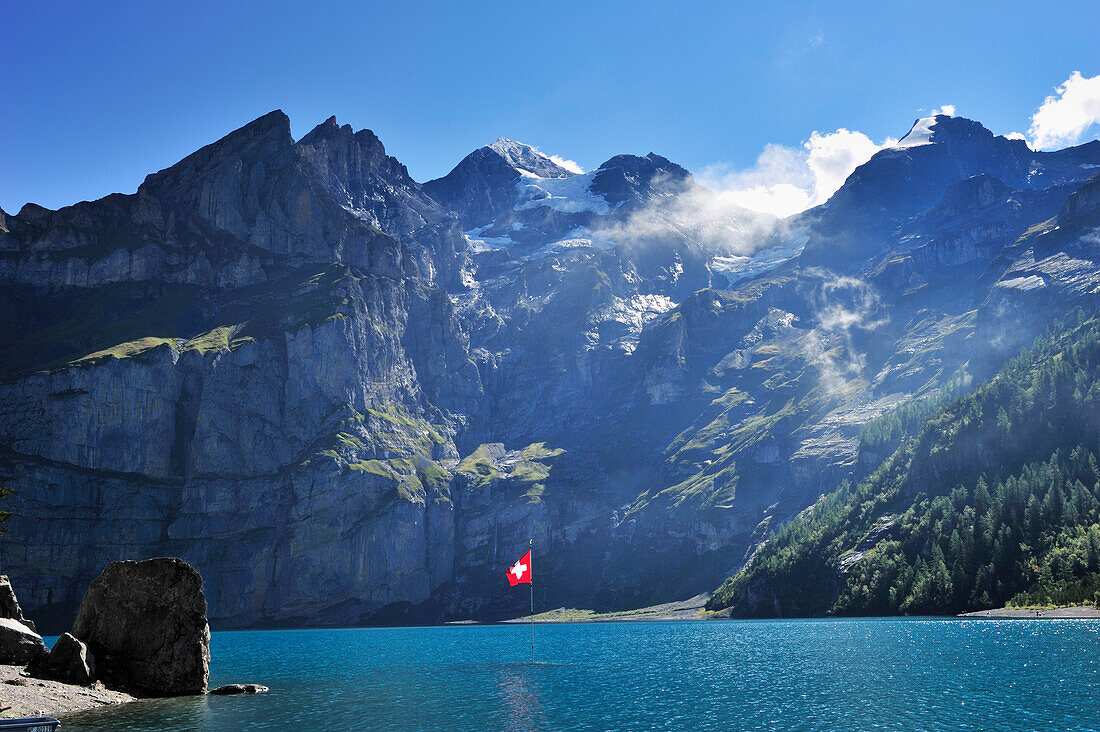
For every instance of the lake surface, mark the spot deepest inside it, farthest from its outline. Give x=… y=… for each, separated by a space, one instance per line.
x=902 y=674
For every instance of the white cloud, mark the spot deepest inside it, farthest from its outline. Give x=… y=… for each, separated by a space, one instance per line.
x=697 y=214
x=569 y=165
x=833 y=157
x=786 y=180
x=842 y=305
x=778 y=199
x=1015 y=136
x=1064 y=117
x=948 y=109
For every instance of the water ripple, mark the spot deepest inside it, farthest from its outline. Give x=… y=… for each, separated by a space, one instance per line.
x=913 y=674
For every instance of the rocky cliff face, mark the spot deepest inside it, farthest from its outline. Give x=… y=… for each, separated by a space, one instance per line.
x=345 y=397
x=265 y=384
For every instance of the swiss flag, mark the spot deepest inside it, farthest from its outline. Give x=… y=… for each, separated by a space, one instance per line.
x=520 y=572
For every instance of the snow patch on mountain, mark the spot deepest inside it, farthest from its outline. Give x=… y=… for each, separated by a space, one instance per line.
x=530 y=161
x=1030 y=282
x=568 y=195
x=633 y=313
x=739 y=267
x=576 y=239
x=921 y=134
x=478 y=243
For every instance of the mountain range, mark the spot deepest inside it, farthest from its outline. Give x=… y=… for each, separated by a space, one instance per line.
x=347 y=397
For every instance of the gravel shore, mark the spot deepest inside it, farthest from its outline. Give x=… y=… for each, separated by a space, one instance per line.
x=1081 y=611
x=691 y=609
x=28 y=697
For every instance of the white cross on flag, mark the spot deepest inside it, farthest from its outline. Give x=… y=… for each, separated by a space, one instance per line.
x=520 y=572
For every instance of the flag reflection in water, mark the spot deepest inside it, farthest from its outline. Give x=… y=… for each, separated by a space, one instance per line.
x=521 y=706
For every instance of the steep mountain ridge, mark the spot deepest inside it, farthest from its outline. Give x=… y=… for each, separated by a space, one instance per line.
x=901 y=181
x=223 y=216
x=347 y=398
x=242 y=339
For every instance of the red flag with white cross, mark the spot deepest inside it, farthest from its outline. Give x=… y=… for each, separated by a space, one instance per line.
x=520 y=572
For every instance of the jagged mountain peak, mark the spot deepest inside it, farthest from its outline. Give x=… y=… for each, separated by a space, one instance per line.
x=328 y=129
x=267 y=142
x=484 y=182
x=275 y=121
x=259 y=187
x=650 y=164
x=941 y=150
x=633 y=177
x=338 y=150
x=274 y=126
x=526 y=159
x=264 y=138
x=915 y=174
x=32 y=211
x=941 y=128
x=331 y=130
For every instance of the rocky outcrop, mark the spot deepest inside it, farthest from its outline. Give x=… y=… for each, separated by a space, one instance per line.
x=633 y=181
x=19 y=644
x=145 y=624
x=231 y=689
x=1053 y=268
x=1082 y=203
x=69 y=661
x=9 y=605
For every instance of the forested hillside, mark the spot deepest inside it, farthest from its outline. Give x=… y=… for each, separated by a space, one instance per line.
x=993 y=499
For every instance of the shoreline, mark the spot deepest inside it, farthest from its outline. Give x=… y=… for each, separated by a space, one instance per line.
x=693 y=608
x=1077 y=612
x=30 y=697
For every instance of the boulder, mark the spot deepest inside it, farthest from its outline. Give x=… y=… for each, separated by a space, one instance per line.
x=69 y=660
x=9 y=606
x=19 y=645
x=239 y=689
x=145 y=623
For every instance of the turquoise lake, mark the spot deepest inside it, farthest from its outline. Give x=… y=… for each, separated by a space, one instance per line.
x=903 y=674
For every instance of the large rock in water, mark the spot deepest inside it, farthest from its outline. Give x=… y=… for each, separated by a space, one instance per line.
x=9 y=605
x=145 y=623
x=19 y=644
x=230 y=689
x=69 y=660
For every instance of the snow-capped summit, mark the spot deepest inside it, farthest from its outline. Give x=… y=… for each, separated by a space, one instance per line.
x=528 y=160
x=921 y=133
x=945 y=128
x=484 y=182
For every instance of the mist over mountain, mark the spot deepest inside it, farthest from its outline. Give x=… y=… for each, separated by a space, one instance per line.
x=347 y=397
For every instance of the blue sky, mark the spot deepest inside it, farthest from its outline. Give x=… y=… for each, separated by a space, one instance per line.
x=97 y=95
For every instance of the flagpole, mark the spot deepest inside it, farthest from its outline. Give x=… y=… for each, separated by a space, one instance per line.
x=532 y=585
